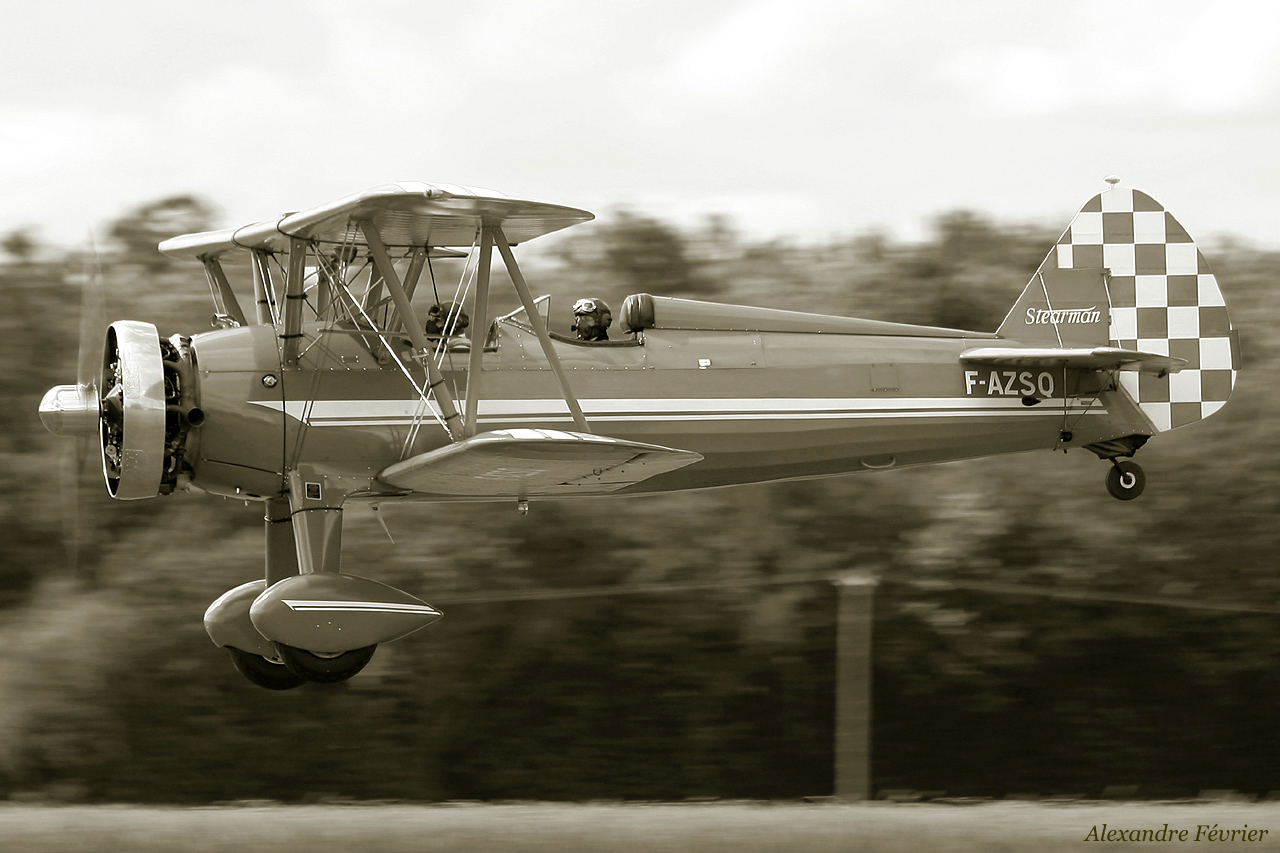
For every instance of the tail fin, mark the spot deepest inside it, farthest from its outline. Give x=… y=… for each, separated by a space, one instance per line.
x=1126 y=266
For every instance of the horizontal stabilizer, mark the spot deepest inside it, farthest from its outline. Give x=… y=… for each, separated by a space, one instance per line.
x=1085 y=358
x=525 y=463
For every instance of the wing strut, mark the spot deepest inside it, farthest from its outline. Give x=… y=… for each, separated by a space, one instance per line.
x=294 y=296
x=224 y=297
x=479 y=310
x=540 y=327
x=413 y=326
x=416 y=262
x=262 y=287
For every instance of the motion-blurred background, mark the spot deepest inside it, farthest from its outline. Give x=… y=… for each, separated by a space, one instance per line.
x=908 y=162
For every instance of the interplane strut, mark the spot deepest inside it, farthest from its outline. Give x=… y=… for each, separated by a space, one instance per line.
x=540 y=328
x=479 y=310
x=294 y=295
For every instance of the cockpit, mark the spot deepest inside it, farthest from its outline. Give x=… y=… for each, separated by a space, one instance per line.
x=591 y=322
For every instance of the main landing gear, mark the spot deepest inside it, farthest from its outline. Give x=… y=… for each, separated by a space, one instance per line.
x=265 y=672
x=1125 y=480
x=295 y=667
x=324 y=668
x=306 y=621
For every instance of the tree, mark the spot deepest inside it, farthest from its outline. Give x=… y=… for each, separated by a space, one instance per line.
x=651 y=256
x=20 y=245
x=142 y=229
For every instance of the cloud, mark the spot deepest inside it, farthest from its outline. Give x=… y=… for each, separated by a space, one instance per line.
x=743 y=52
x=1144 y=58
x=804 y=116
x=32 y=141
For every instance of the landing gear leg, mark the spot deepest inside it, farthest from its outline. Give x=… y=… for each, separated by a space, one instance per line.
x=1125 y=480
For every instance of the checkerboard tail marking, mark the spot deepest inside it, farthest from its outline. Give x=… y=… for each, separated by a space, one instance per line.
x=1162 y=298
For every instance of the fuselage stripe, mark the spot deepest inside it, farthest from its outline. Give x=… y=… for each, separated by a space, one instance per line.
x=402 y=412
x=565 y=419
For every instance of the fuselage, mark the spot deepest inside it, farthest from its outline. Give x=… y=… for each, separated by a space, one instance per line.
x=758 y=404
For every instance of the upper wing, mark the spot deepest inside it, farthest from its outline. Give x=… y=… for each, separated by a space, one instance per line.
x=532 y=462
x=405 y=214
x=1089 y=358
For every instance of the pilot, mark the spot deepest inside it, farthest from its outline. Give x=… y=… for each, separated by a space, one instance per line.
x=591 y=319
x=439 y=315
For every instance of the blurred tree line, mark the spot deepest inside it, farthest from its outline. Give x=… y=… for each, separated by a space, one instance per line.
x=110 y=690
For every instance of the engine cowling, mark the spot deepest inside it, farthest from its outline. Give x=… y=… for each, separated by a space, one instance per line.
x=132 y=401
x=140 y=406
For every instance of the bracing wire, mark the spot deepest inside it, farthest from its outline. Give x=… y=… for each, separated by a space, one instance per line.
x=1112 y=377
x=422 y=390
x=412 y=435
x=309 y=400
x=469 y=271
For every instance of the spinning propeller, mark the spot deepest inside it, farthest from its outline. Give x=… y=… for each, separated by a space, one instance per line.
x=119 y=398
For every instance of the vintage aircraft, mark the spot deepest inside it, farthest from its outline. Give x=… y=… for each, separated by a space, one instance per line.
x=331 y=390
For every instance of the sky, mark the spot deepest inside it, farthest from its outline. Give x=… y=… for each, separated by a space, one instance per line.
x=801 y=120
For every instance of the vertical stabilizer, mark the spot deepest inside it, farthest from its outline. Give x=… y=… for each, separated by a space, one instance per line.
x=1062 y=308
x=1160 y=297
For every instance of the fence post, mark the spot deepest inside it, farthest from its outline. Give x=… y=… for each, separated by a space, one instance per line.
x=853 y=686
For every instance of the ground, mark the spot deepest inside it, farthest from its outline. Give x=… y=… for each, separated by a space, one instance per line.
x=630 y=827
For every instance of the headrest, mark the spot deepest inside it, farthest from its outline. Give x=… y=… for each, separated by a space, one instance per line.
x=637 y=313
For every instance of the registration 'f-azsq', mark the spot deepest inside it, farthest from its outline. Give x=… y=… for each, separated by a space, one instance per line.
x=1016 y=384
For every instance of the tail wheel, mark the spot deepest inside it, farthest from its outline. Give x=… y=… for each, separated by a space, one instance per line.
x=1126 y=480
x=323 y=668
x=263 y=672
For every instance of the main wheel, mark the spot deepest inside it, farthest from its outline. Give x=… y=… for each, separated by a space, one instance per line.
x=263 y=672
x=1125 y=480
x=322 y=668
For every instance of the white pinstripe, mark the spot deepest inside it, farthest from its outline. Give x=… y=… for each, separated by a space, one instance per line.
x=345 y=413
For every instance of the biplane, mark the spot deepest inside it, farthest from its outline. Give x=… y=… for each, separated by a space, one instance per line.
x=329 y=389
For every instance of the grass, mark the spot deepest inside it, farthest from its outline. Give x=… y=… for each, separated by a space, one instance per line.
x=742 y=828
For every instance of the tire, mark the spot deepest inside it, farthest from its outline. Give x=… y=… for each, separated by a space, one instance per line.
x=1126 y=480
x=325 y=669
x=264 y=673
